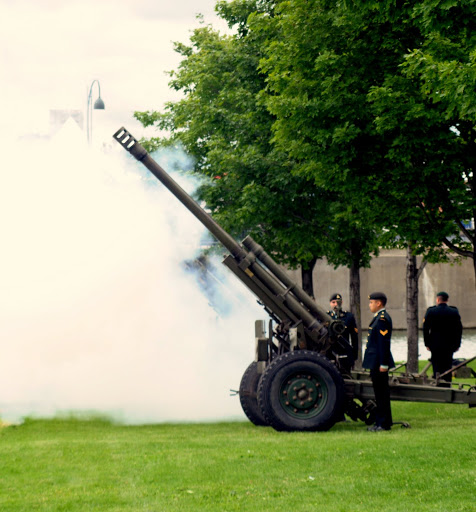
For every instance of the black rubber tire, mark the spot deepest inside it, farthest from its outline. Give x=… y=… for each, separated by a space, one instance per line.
x=248 y=398
x=301 y=391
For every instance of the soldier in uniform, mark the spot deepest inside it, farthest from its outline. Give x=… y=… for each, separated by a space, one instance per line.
x=378 y=359
x=442 y=331
x=351 y=332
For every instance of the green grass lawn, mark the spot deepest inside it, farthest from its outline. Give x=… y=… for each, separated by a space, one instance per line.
x=82 y=465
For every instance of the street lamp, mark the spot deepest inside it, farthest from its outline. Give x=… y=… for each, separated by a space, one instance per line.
x=98 y=105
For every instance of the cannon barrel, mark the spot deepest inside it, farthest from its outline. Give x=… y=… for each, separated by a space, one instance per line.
x=268 y=262
x=140 y=153
x=269 y=288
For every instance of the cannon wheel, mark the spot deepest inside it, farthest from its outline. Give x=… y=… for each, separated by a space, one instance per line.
x=301 y=391
x=248 y=399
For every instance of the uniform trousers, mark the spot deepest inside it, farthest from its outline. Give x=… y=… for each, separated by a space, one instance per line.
x=441 y=363
x=381 y=387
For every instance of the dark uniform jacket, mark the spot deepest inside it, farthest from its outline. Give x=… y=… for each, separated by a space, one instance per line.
x=442 y=329
x=351 y=331
x=378 y=342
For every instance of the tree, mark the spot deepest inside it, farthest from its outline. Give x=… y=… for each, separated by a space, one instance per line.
x=444 y=69
x=319 y=70
x=425 y=111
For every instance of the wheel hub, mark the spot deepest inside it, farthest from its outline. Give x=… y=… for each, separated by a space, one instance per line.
x=303 y=395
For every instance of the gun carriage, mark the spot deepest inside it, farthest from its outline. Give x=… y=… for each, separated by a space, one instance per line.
x=302 y=378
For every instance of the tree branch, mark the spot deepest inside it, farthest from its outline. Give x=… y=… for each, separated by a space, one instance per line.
x=420 y=270
x=465 y=231
x=457 y=250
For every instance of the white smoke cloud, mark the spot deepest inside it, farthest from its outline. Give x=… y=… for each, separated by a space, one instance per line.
x=96 y=312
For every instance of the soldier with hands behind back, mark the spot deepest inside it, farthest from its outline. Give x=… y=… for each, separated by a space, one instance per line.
x=351 y=331
x=378 y=359
x=442 y=331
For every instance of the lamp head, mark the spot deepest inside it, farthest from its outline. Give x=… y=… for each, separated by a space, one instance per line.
x=99 y=104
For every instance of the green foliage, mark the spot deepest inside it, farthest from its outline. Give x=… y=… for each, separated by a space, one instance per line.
x=319 y=72
x=376 y=100
x=252 y=185
x=53 y=465
x=426 y=112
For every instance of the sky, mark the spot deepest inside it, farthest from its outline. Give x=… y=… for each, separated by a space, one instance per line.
x=53 y=50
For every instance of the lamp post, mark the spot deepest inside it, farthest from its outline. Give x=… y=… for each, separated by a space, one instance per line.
x=98 y=105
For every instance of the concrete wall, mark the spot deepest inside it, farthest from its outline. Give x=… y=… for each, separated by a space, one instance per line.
x=387 y=274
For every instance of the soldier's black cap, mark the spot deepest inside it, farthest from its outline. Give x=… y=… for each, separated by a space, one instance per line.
x=378 y=296
x=336 y=296
x=443 y=295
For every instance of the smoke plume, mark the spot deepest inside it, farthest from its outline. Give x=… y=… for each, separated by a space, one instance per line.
x=97 y=311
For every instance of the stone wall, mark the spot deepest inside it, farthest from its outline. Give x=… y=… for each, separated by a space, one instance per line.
x=387 y=274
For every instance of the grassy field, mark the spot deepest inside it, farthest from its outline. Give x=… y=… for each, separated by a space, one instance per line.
x=82 y=465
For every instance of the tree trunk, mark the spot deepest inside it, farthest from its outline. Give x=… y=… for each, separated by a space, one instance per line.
x=474 y=262
x=412 y=312
x=354 y=303
x=306 y=276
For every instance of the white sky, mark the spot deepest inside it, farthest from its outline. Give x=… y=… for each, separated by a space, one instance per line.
x=52 y=50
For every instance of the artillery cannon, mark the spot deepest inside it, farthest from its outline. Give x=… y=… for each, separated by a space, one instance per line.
x=302 y=378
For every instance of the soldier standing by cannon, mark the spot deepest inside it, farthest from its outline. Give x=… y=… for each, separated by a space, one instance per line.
x=351 y=332
x=378 y=359
x=442 y=331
